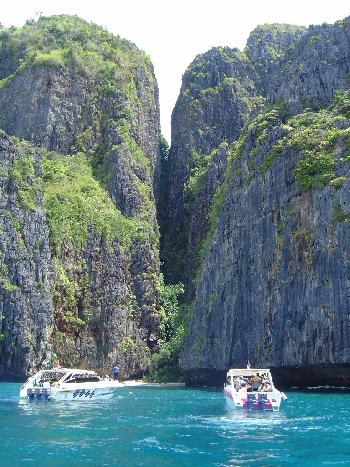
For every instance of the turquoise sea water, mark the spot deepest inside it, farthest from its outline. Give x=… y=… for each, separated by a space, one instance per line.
x=173 y=427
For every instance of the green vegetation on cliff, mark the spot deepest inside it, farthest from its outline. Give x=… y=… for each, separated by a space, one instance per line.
x=22 y=173
x=319 y=137
x=118 y=80
x=174 y=320
x=200 y=166
x=68 y=41
x=74 y=201
x=89 y=99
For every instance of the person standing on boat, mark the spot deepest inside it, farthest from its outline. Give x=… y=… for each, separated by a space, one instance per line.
x=115 y=372
x=256 y=382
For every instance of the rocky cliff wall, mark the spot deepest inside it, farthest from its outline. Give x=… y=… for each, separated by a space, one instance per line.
x=26 y=314
x=314 y=68
x=274 y=287
x=71 y=87
x=273 y=274
x=221 y=90
x=217 y=94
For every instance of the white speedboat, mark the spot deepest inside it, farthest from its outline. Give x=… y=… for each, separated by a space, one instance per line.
x=63 y=384
x=252 y=389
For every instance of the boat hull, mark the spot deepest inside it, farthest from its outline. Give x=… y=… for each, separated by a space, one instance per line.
x=79 y=392
x=258 y=401
x=83 y=394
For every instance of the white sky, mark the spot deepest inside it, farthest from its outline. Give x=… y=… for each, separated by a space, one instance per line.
x=174 y=32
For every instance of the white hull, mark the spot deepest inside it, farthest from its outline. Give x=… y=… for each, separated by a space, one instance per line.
x=84 y=394
x=79 y=392
x=72 y=385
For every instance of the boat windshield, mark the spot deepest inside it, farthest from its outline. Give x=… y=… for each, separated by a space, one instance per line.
x=82 y=378
x=54 y=377
x=45 y=377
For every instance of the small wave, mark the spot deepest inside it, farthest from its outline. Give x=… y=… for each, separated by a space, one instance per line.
x=150 y=440
x=327 y=388
x=9 y=401
x=246 y=421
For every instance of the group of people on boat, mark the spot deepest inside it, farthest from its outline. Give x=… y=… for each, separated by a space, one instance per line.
x=258 y=382
x=45 y=383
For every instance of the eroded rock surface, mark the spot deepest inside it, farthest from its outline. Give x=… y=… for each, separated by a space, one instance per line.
x=267 y=265
x=80 y=273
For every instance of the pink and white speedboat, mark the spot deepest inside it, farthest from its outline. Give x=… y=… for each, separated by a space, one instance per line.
x=252 y=389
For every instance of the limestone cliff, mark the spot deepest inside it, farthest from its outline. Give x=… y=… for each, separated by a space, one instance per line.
x=217 y=94
x=26 y=311
x=267 y=263
x=253 y=204
x=80 y=240
x=274 y=285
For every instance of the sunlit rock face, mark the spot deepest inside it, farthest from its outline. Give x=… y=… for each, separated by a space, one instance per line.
x=262 y=205
x=79 y=176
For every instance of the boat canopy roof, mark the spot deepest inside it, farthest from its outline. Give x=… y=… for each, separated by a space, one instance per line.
x=247 y=371
x=63 y=371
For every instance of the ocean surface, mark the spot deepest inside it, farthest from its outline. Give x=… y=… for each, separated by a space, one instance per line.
x=174 y=427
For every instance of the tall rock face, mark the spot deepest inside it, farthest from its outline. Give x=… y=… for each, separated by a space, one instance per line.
x=267 y=46
x=217 y=94
x=26 y=312
x=221 y=89
x=270 y=278
x=317 y=65
x=274 y=286
x=84 y=184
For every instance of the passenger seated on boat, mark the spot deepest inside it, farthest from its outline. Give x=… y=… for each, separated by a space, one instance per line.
x=256 y=382
x=266 y=387
x=239 y=382
x=243 y=388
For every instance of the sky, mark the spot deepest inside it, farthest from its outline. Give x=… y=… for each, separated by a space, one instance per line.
x=174 y=32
